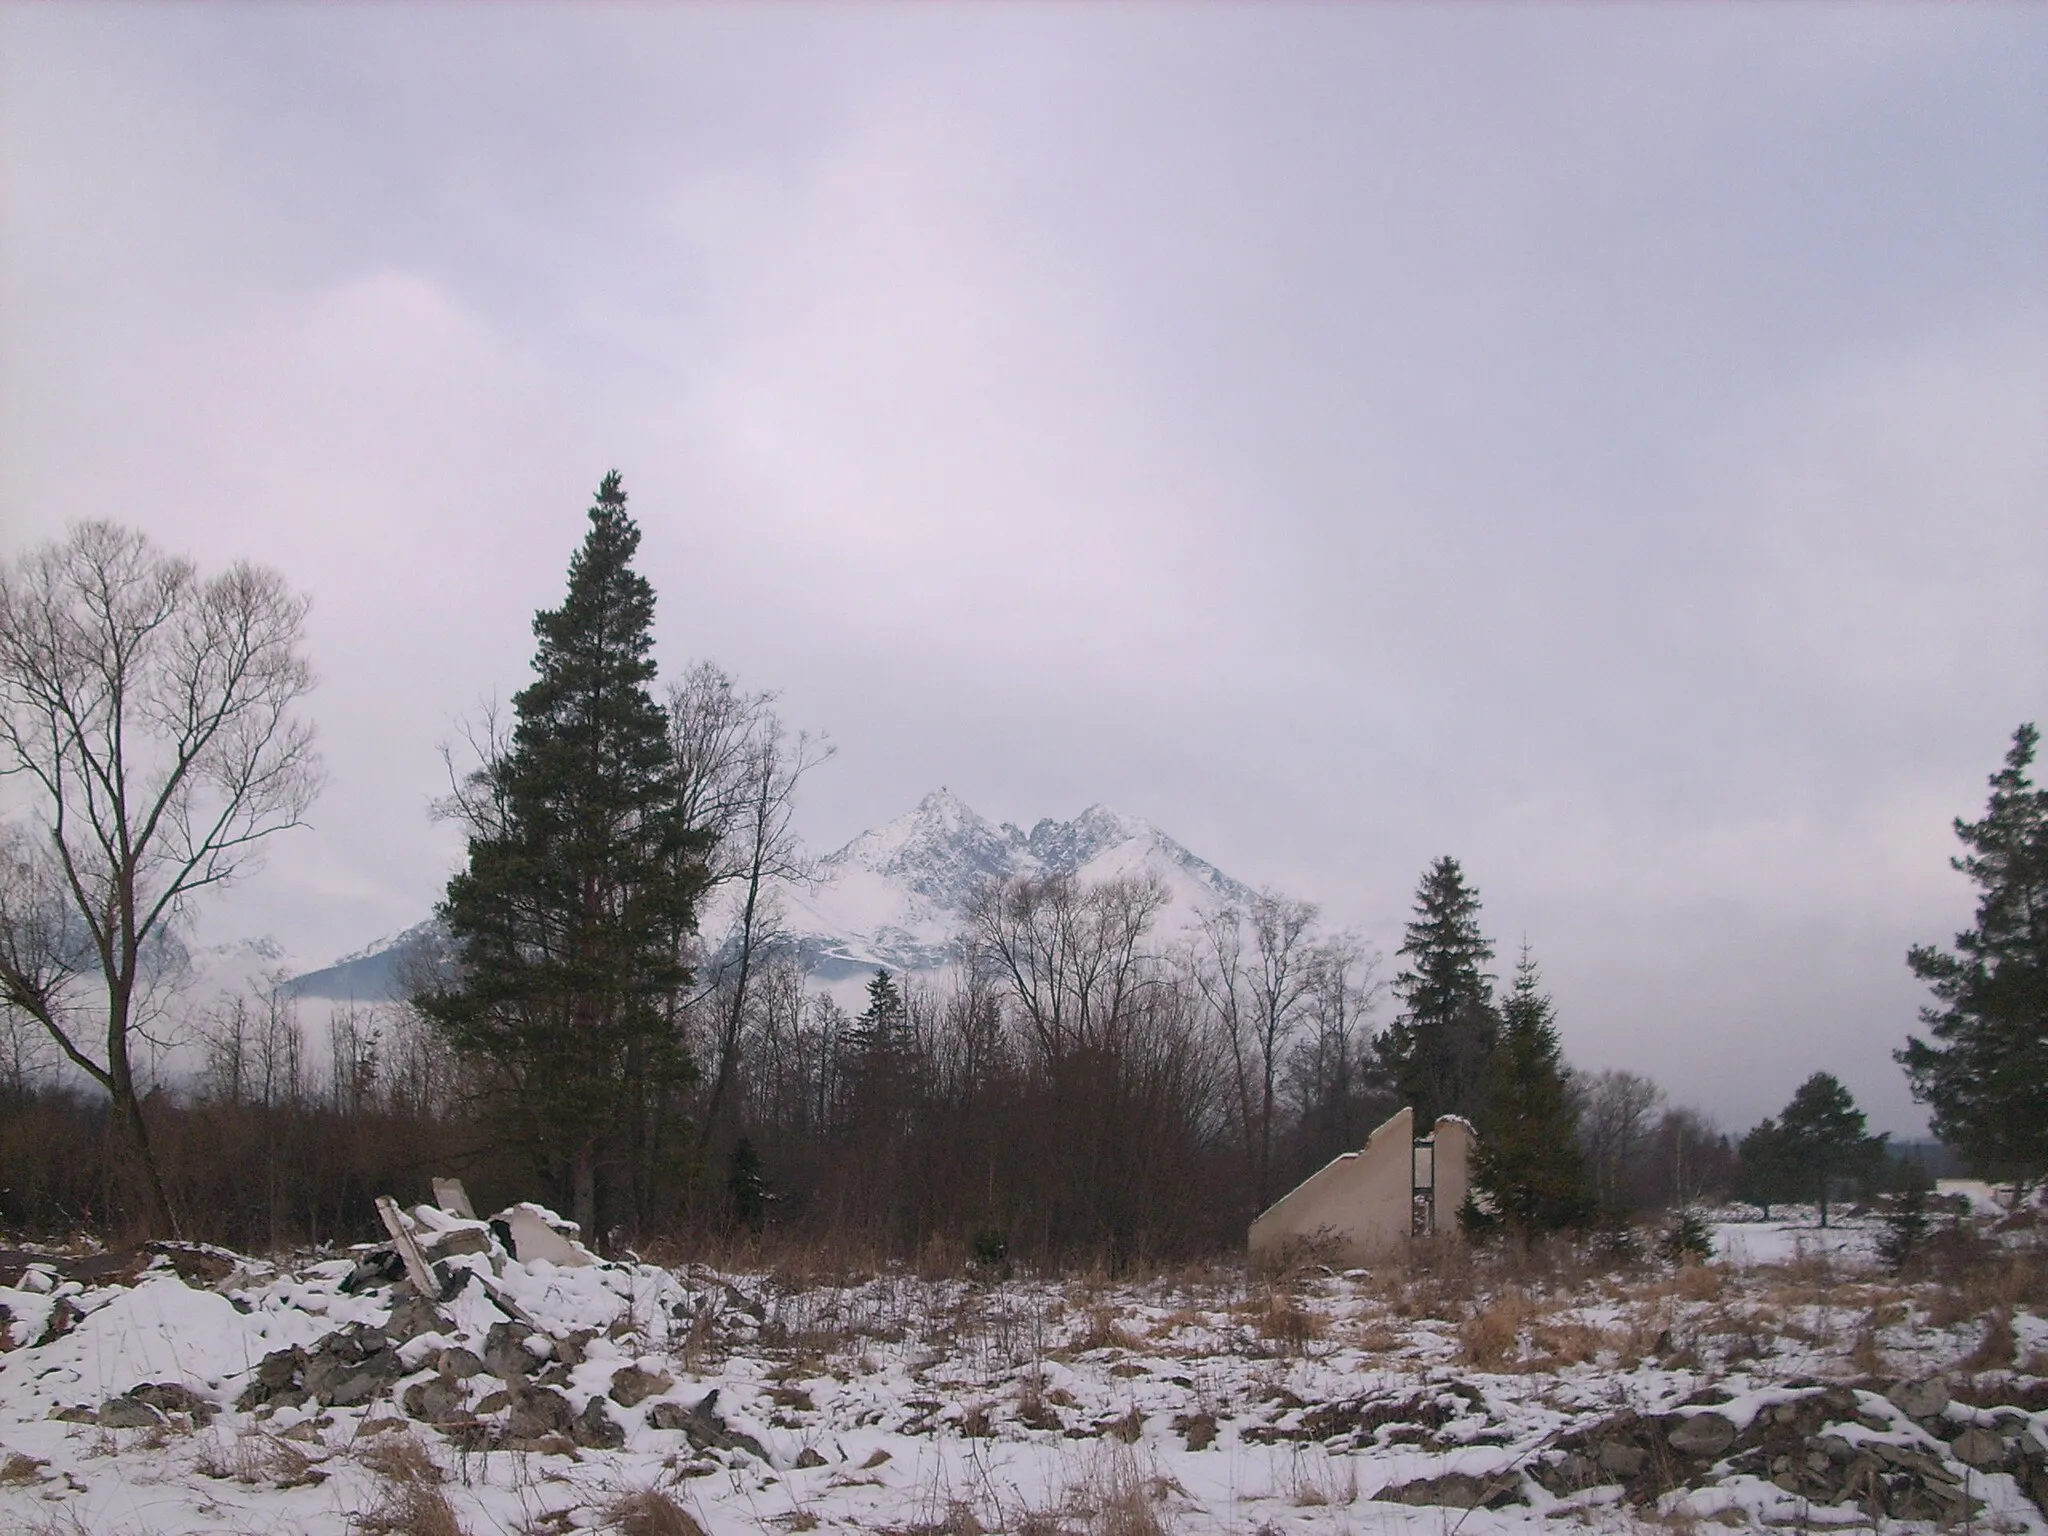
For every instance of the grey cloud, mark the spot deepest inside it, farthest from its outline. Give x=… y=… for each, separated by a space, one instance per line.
x=1603 y=444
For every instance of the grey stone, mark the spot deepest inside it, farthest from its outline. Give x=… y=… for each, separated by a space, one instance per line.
x=323 y=1371
x=1978 y=1447
x=1920 y=1399
x=169 y=1397
x=668 y=1415
x=596 y=1430
x=1702 y=1434
x=539 y=1411
x=1829 y=1448
x=505 y=1353
x=412 y=1317
x=281 y=1368
x=128 y=1413
x=809 y=1457
x=1620 y=1459
x=461 y=1240
x=633 y=1386
x=436 y=1401
x=458 y=1363
x=1456 y=1490
x=350 y=1391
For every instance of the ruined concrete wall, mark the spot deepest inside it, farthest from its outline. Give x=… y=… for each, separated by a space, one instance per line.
x=1454 y=1137
x=1359 y=1207
x=1359 y=1202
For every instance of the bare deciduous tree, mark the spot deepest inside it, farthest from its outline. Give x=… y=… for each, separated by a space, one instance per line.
x=1072 y=955
x=1614 y=1123
x=1338 y=1093
x=1257 y=999
x=739 y=768
x=151 y=714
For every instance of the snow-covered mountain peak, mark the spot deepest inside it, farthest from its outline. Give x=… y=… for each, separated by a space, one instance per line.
x=938 y=850
x=897 y=895
x=1063 y=847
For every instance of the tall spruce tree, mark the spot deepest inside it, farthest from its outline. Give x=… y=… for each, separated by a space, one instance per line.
x=581 y=876
x=1527 y=1160
x=1436 y=1051
x=1984 y=1069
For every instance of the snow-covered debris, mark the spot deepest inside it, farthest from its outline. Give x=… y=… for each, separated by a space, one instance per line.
x=181 y=1390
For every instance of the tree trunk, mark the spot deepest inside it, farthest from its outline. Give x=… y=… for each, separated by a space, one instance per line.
x=156 y=1204
x=143 y=1179
x=585 y=1192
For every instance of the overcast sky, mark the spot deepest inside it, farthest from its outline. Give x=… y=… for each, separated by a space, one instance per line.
x=1604 y=444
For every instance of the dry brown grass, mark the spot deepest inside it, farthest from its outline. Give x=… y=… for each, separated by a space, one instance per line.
x=1174 y=1322
x=1492 y=1336
x=1995 y=1350
x=412 y=1509
x=401 y=1459
x=1315 y=1481
x=1567 y=1343
x=1102 y=1329
x=1700 y=1282
x=650 y=1512
x=1115 y=1499
x=1282 y=1319
x=258 y=1458
x=1378 y=1338
x=17 y=1468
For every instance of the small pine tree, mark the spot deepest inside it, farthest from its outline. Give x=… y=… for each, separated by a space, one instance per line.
x=1527 y=1160
x=1905 y=1228
x=746 y=1184
x=1983 y=1067
x=1436 y=1051
x=1765 y=1176
x=1688 y=1240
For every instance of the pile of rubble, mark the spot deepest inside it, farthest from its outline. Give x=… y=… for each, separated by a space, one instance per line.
x=457 y=1350
x=1906 y=1453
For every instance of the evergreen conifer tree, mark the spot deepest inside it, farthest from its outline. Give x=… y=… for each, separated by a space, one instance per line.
x=1765 y=1176
x=1984 y=1069
x=1822 y=1142
x=1436 y=1051
x=581 y=876
x=876 y=1047
x=746 y=1185
x=1527 y=1160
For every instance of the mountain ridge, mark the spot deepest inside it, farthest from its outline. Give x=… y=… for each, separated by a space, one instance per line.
x=895 y=895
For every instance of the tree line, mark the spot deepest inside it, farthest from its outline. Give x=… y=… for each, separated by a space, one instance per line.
x=618 y=1023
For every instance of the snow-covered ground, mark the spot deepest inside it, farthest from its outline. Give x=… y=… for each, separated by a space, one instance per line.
x=207 y=1392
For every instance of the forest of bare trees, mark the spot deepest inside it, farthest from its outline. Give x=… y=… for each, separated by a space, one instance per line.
x=1093 y=1076
x=1079 y=1087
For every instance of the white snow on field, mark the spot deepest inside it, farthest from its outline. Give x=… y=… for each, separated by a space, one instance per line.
x=1212 y=1400
x=1791 y=1241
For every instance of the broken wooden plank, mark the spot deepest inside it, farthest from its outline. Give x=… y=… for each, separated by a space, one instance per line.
x=401 y=1236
